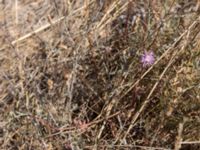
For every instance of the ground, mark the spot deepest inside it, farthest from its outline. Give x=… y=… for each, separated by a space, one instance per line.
x=72 y=75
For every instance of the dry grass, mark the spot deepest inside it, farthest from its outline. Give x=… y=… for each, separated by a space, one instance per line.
x=71 y=76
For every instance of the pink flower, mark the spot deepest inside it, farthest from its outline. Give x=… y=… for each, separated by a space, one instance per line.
x=148 y=58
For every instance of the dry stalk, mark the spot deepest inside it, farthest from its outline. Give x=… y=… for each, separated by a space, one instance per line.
x=46 y=26
x=190 y=142
x=179 y=137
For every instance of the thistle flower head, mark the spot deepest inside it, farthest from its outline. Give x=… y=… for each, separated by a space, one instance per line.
x=147 y=58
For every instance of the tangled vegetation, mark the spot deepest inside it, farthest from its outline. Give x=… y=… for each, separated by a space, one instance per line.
x=72 y=78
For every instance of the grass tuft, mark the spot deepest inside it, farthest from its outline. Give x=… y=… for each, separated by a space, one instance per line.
x=71 y=75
